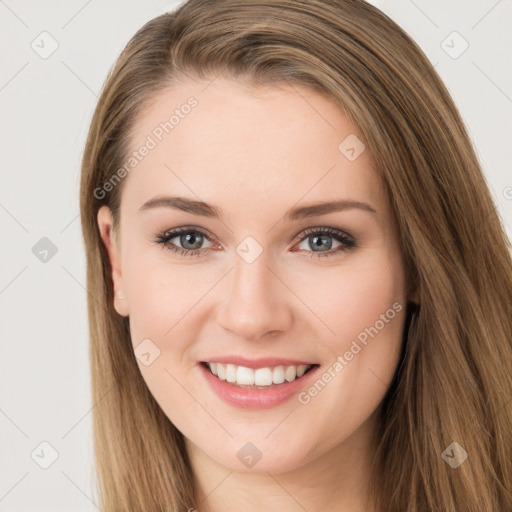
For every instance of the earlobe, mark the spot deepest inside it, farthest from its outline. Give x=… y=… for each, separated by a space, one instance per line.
x=105 y=224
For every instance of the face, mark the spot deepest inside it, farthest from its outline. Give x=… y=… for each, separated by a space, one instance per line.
x=253 y=277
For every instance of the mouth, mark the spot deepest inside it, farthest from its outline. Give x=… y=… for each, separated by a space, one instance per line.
x=268 y=377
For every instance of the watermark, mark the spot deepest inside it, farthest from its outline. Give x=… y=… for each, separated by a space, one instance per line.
x=44 y=455
x=146 y=351
x=44 y=45
x=507 y=193
x=44 y=250
x=249 y=249
x=249 y=454
x=454 y=45
x=454 y=455
x=151 y=142
x=351 y=147
x=304 y=397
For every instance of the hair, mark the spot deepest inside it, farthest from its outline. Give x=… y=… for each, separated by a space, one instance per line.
x=453 y=380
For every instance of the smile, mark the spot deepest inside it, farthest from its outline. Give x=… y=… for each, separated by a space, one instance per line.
x=258 y=378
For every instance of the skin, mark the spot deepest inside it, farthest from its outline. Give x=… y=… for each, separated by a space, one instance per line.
x=255 y=153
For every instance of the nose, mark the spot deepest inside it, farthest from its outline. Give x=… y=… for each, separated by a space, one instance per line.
x=257 y=303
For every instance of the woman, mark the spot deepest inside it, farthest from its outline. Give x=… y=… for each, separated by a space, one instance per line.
x=237 y=364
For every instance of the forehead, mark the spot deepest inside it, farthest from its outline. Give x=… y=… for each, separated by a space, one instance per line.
x=223 y=141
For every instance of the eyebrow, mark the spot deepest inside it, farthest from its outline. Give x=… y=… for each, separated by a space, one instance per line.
x=294 y=214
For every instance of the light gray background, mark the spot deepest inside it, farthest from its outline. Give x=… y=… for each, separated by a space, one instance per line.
x=46 y=109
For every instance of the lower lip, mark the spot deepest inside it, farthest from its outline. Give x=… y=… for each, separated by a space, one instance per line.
x=249 y=398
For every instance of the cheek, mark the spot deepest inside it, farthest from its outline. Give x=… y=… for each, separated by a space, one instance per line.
x=163 y=304
x=353 y=298
x=165 y=299
x=364 y=306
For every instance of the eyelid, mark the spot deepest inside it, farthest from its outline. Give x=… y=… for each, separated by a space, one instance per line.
x=181 y=229
x=174 y=232
x=323 y=229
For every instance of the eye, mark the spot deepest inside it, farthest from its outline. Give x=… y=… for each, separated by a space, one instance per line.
x=320 y=237
x=190 y=240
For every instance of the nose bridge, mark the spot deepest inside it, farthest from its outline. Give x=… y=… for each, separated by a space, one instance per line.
x=256 y=302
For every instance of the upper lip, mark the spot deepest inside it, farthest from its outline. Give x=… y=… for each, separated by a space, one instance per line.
x=262 y=362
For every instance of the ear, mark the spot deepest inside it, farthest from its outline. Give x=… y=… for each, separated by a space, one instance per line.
x=110 y=239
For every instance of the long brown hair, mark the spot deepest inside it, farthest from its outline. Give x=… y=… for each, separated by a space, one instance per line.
x=454 y=381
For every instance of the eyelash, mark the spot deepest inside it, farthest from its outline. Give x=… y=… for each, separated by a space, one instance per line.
x=347 y=241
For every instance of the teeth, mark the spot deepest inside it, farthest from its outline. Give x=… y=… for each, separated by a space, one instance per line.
x=301 y=370
x=262 y=376
x=231 y=373
x=290 y=373
x=278 y=375
x=242 y=376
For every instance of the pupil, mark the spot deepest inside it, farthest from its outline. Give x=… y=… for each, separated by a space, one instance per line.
x=324 y=238
x=185 y=239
